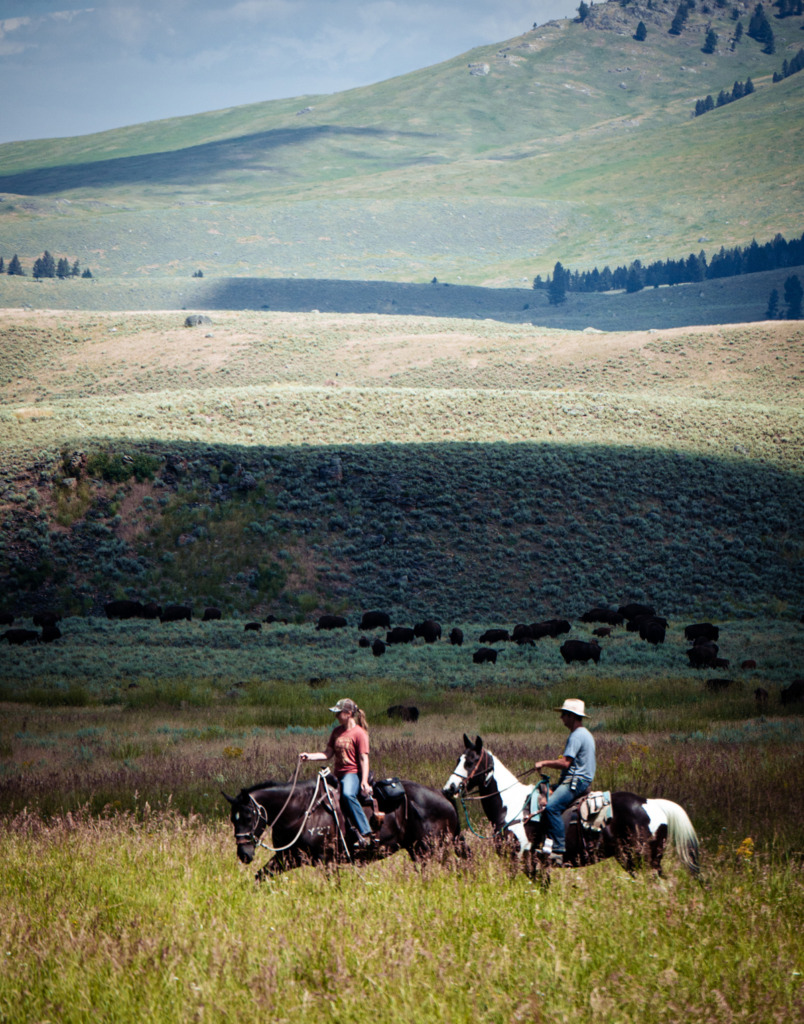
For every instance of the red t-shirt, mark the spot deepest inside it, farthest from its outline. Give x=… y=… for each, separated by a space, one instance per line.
x=348 y=745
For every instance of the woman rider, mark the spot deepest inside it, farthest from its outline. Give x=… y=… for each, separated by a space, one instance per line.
x=349 y=743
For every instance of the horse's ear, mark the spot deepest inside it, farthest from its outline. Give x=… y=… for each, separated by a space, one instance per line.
x=478 y=744
x=467 y=742
x=229 y=798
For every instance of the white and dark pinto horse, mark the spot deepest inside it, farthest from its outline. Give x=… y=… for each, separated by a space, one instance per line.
x=637 y=830
x=307 y=824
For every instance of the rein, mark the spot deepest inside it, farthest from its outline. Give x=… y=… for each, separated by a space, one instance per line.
x=250 y=837
x=489 y=773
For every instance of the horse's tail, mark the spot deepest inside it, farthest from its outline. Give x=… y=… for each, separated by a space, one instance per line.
x=681 y=833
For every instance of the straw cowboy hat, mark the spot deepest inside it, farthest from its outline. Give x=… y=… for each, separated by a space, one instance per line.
x=574 y=706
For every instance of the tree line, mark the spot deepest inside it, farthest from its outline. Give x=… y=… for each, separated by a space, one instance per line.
x=45 y=266
x=745 y=89
x=751 y=259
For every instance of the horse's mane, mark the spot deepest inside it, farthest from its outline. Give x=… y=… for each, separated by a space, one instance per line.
x=274 y=784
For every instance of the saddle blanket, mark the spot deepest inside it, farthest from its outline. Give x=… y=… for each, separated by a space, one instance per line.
x=595 y=809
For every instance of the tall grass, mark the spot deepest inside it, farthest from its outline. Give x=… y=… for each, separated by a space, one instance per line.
x=127 y=921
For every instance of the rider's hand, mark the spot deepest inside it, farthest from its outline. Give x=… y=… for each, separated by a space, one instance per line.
x=365 y=789
x=303 y=757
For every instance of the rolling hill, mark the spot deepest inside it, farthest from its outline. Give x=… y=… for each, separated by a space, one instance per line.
x=572 y=142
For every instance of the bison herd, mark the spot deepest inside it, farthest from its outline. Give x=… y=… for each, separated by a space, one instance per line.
x=703 y=651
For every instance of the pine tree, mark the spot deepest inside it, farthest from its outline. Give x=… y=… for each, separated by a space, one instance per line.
x=793 y=294
x=641 y=32
x=15 y=267
x=711 y=42
x=583 y=11
x=635 y=280
x=75 y=270
x=748 y=88
x=62 y=269
x=556 y=292
x=2 y=266
x=773 y=305
x=87 y=273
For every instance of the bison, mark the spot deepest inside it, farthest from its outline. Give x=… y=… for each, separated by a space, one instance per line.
x=20 y=636
x=211 y=614
x=400 y=635
x=456 y=636
x=123 y=609
x=609 y=616
x=405 y=713
x=715 y=685
x=176 y=613
x=793 y=693
x=375 y=620
x=494 y=636
x=630 y=611
x=602 y=631
x=700 y=630
x=151 y=610
x=49 y=634
x=377 y=647
x=703 y=654
x=46 y=618
x=331 y=622
x=429 y=630
x=580 y=650
x=253 y=627
x=483 y=655
x=748 y=663
x=652 y=629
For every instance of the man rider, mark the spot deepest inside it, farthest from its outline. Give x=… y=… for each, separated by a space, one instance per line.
x=577 y=765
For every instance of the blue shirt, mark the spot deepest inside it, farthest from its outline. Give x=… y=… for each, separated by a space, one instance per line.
x=581 y=749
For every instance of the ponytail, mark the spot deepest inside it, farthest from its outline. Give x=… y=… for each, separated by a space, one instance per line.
x=360 y=717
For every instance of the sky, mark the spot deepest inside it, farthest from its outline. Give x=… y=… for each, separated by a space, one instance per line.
x=72 y=70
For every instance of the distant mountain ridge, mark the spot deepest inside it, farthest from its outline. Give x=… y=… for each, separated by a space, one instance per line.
x=572 y=142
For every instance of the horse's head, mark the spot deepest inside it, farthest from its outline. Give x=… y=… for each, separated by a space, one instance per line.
x=249 y=820
x=473 y=764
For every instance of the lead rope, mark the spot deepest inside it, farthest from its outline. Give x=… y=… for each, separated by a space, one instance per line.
x=280 y=849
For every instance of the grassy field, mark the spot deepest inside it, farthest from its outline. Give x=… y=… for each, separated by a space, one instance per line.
x=122 y=897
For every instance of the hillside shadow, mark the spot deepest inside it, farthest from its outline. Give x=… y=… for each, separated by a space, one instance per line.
x=193 y=165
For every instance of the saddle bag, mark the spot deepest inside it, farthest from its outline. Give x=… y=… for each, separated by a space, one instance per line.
x=389 y=794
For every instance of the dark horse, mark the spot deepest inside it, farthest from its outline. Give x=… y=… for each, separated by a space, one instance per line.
x=308 y=825
x=636 y=830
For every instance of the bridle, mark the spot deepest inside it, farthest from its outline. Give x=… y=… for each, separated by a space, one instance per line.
x=488 y=771
x=252 y=837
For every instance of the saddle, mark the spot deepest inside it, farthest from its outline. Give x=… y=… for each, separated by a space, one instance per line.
x=592 y=810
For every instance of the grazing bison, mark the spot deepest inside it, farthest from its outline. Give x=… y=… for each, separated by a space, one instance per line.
x=653 y=629
x=176 y=613
x=123 y=610
x=429 y=630
x=400 y=635
x=580 y=650
x=456 y=636
x=609 y=616
x=716 y=685
x=761 y=696
x=703 y=630
x=602 y=631
x=211 y=614
x=253 y=627
x=377 y=647
x=703 y=654
x=46 y=618
x=49 y=634
x=152 y=610
x=405 y=713
x=793 y=693
x=375 y=620
x=6 y=619
x=748 y=663
x=483 y=655
x=630 y=611
x=494 y=636
x=331 y=622
x=20 y=636
x=522 y=633
x=364 y=641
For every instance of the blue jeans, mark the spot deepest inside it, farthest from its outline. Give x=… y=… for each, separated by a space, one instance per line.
x=350 y=789
x=560 y=799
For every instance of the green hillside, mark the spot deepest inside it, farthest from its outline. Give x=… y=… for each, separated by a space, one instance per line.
x=572 y=142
